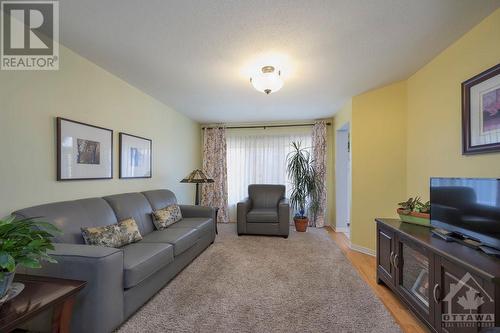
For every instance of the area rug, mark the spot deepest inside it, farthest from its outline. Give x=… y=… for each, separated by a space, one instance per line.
x=266 y=284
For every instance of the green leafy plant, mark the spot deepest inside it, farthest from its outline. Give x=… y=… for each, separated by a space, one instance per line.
x=24 y=242
x=306 y=185
x=414 y=205
x=423 y=207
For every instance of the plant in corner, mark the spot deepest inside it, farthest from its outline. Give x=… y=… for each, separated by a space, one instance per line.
x=306 y=186
x=23 y=242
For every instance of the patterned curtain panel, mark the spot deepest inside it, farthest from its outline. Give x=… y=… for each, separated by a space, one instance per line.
x=215 y=166
x=319 y=157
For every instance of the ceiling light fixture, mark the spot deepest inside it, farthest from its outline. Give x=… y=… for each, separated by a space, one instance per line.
x=268 y=80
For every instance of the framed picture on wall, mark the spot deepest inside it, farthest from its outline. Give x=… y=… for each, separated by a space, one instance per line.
x=481 y=113
x=135 y=156
x=83 y=151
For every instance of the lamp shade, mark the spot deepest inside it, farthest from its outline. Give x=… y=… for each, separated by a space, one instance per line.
x=197 y=176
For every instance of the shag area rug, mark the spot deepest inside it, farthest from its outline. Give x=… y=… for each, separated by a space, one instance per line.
x=266 y=284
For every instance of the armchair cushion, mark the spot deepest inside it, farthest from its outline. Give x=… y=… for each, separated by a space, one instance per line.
x=263 y=215
x=141 y=260
x=266 y=196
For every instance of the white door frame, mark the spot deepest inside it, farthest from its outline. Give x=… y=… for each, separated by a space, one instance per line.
x=342 y=179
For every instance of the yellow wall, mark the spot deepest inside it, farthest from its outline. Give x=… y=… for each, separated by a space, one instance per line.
x=434 y=110
x=80 y=90
x=378 y=158
x=407 y=132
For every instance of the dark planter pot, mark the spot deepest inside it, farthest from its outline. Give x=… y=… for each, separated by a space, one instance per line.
x=5 y=283
x=301 y=224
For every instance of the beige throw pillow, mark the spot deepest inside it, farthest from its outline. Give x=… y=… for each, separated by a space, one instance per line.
x=167 y=216
x=114 y=235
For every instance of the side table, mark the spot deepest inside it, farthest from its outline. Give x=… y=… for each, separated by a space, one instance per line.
x=40 y=293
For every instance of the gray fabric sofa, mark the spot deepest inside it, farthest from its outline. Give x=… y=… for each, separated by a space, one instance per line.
x=120 y=280
x=266 y=211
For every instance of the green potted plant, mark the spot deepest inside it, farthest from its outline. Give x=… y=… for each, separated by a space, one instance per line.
x=415 y=211
x=24 y=242
x=306 y=186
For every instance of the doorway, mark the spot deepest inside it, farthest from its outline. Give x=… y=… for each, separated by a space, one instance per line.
x=343 y=179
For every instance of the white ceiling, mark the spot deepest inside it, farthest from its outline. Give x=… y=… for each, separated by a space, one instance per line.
x=190 y=54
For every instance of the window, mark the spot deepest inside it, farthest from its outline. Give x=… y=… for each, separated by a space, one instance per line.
x=258 y=156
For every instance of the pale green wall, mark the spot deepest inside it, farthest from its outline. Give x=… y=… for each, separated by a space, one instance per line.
x=82 y=91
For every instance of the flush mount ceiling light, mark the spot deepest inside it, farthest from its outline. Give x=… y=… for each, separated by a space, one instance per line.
x=268 y=80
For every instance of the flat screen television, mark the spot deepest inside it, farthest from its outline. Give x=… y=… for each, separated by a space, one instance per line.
x=468 y=207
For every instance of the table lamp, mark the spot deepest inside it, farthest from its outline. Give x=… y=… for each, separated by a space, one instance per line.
x=197 y=177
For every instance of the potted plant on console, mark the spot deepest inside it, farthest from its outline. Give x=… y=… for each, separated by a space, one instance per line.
x=415 y=211
x=23 y=242
x=306 y=186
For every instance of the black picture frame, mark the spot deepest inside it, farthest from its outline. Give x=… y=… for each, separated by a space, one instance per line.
x=467 y=147
x=122 y=174
x=59 y=166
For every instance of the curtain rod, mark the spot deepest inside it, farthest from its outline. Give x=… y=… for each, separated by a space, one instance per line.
x=264 y=126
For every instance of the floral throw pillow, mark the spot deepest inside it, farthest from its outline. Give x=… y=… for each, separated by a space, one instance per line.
x=167 y=216
x=114 y=235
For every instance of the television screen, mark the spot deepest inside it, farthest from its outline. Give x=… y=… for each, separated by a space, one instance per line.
x=467 y=206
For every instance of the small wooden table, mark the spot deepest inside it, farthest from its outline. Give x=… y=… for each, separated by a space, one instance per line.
x=39 y=294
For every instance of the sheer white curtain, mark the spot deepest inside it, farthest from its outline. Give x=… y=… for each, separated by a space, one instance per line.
x=258 y=156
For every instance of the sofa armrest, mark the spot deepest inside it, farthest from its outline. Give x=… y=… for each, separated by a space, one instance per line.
x=99 y=306
x=242 y=208
x=284 y=216
x=200 y=211
x=197 y=211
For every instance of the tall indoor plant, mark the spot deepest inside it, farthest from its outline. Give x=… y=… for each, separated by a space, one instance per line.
x=306 y=186
x=23 y=242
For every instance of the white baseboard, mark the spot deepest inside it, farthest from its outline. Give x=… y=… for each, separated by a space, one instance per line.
x=363 y=249
x=340 y=229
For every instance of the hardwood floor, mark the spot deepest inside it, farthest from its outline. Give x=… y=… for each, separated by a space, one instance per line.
x=366 y=266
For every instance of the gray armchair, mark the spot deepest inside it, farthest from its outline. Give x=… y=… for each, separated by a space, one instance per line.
x=265 y=212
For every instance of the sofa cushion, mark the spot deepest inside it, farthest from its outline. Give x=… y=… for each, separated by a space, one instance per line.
x=115 y=235
x=165 y=217
x=203 y=224
x=160 y=198
x=70 y=216
x=263 y=215
x=181 y=238
x=133 y=205
x=141 y=260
